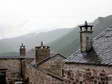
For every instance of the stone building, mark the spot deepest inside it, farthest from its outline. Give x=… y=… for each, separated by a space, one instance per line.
x=12 y=67
x=91 y=64
x=39 y=75
x=44 y=68
x=47 y=69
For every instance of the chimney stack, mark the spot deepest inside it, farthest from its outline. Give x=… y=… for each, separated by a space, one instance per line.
x=86 y=37
x=41 y=52
x=22 y=50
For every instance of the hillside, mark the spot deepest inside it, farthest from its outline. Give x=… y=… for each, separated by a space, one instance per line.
x=64 y=41
x=11 y=46
x=70 y=42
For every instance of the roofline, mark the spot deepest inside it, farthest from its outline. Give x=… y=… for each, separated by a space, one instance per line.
x=50 y=57
x=15 y=58
x=86 y=25
x=49 y=73
x=57 y=77
x=88 y=64
x=61 y=55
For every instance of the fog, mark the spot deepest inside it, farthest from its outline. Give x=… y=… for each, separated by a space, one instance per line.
x=18 y=17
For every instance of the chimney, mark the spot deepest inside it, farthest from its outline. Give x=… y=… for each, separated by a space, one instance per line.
x=22 y=50
x=22 y=61
x=86 y=37
x=41 y=52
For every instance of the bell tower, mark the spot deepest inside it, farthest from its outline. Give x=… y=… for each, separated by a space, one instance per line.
x=22 y=50
x=86 y=37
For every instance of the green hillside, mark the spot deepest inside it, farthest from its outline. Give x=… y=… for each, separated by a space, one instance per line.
x=11 y=46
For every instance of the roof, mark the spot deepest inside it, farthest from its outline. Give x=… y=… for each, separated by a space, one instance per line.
x=51 y=74
x=50 y=57
x=15 y=57
x=47 y=72
x=101 y=53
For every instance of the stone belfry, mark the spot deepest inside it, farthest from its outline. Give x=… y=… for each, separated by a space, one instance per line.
x=86 y=37
x=41 y=52
x=22 y=50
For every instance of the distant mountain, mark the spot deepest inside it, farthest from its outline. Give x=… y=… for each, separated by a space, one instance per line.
x=64 y=41
x=11 y=46
x=70 y=42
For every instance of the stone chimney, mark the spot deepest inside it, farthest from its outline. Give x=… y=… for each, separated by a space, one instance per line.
x=41 y=52
x=22 y=50
x=86 y=37
x=22 y=61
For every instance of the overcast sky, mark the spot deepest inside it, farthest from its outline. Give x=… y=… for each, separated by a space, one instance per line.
x=23 y=16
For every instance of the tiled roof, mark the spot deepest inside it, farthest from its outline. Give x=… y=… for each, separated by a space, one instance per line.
x=101 y=53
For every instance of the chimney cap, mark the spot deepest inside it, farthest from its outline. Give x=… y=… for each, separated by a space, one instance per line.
x=86 y=25
x=22 y=45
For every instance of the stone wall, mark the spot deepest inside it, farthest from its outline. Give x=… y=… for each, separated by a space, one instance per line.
x=12 y=66
x=87 y=74
x=54 y=65
x=76 y=66
x=39 y=76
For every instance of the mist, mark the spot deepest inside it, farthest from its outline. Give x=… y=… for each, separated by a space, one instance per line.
x=20 y=17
